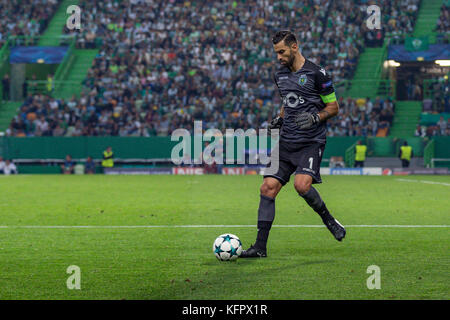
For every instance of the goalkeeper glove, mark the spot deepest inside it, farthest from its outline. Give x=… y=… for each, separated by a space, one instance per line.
x=276 y=123
x=306 y=120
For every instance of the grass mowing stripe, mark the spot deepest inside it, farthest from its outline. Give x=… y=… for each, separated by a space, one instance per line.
x=425 y=181
x=224 y=226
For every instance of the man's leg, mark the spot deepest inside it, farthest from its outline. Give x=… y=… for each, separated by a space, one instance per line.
x=266 y=214
x=266 y=210
x=303 y=186
x=405 y=163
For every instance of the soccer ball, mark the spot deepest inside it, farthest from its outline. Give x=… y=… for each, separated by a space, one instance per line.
x=227 y=247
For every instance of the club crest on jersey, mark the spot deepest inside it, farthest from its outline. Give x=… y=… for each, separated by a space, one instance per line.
x=302 y=80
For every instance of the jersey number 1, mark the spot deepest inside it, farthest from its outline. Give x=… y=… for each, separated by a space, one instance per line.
x=311 y=162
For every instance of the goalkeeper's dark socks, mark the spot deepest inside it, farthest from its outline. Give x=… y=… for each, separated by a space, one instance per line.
x=313 y=199
x=266 y=215
x=324 y=213
x=263 y=234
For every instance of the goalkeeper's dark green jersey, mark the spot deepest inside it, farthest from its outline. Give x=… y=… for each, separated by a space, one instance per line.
x=307 y=90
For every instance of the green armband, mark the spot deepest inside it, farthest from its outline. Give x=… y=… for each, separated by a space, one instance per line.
x=329 y=98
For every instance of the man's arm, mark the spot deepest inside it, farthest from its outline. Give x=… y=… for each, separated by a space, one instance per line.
x=331 y=109
x=276 y=122
x=281 y=115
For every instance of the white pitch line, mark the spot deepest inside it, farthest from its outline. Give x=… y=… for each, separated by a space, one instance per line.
x=425 y=181
x=224 y=226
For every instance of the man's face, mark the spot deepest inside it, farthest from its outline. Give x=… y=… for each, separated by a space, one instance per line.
x=285 y=54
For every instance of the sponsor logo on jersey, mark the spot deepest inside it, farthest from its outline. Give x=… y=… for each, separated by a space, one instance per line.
x=292 y=100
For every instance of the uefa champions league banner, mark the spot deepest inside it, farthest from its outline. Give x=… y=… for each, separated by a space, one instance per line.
x=46 y=55
x=435 y=52
x=259 y=170
x=352 y=171
x=415 y=171
x=137 y=171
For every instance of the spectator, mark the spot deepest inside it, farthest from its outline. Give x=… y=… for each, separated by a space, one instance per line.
x=5 y=87
x=108 y=158
x=9 y=168
x=2 y=165
x=417 y=92
x=89 y=167
x=442 y=125
x=420 y=131
x=405 y=154
x=68 y=166
x=360 y=154
x=385 y=119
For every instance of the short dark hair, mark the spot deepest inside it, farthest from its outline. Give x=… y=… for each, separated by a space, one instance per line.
x=288 y=37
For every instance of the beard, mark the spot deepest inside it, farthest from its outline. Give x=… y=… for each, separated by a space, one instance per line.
x=290 y=62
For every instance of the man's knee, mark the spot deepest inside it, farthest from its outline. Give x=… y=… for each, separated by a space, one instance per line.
x=302 y=186
x=270 y=188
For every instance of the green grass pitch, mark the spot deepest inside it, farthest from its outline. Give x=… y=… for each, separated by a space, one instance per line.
x=170 y=262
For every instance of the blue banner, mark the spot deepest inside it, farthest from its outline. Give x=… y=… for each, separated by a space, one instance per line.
x=399 y=53
x=346 y=171
x=46 y=55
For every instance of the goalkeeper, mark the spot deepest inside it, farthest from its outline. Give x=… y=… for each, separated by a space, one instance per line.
x=308 y=101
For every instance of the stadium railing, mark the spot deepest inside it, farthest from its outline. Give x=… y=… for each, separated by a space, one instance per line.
x=66 y=63
x=434 y=160
x=4 y=59
x=61 y=71
x=428 y=87
x=428 y=154
x=349 y=158
x=40 y=86
x=63 y=40
x=386 y=87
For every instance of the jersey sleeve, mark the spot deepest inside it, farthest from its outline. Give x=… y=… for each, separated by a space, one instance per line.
x=276 y=83
x=324 y=86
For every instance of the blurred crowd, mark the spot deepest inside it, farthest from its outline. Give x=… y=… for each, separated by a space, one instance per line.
x=162 y=64
x=41 y=115
x=362 y=117
x=439 y=96
x=443 y=23
x=25 y=17
x=441 y=128
x=401 y=16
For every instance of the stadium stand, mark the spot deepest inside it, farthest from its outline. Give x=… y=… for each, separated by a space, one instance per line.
x=25 y=18
x=443 y=24
x=362 y=117
x=146 y=81
x=162 y=64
